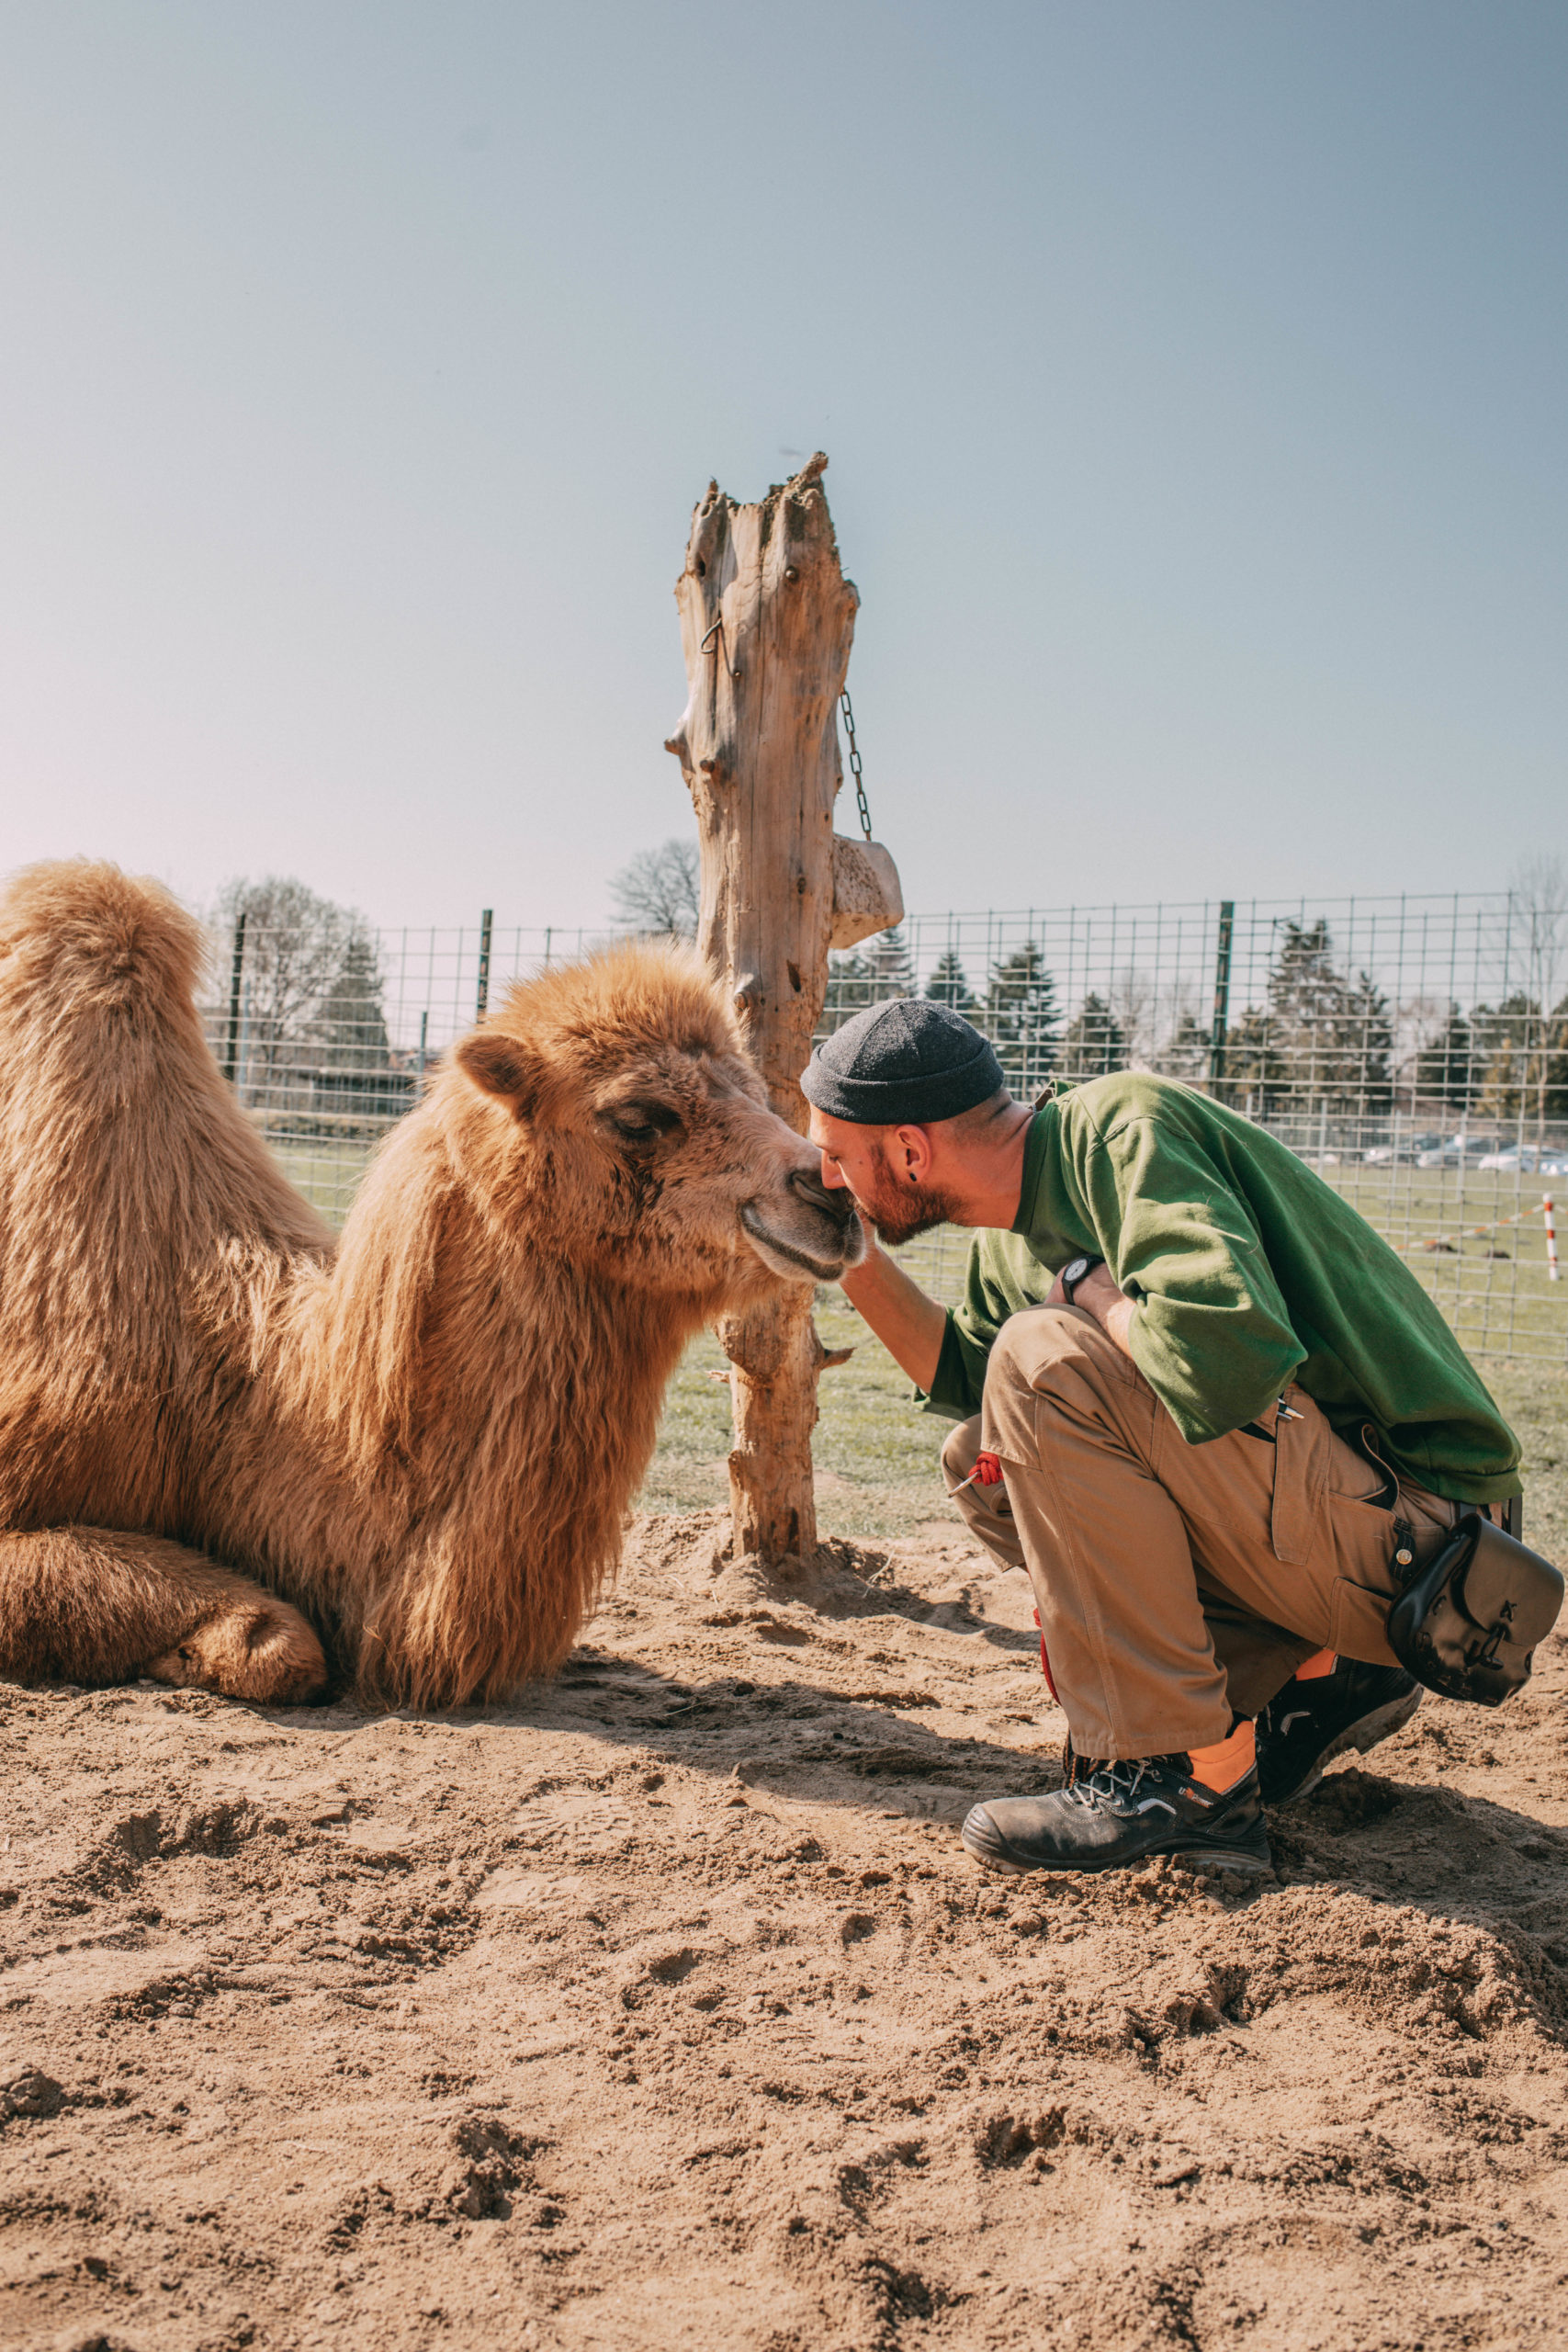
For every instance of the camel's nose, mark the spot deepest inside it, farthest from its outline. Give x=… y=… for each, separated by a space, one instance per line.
x=810 y=1188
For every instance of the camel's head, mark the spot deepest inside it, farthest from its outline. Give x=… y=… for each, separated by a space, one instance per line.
x=619 y=1119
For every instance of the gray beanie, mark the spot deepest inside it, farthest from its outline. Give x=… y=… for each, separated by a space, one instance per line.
x=907 y=1063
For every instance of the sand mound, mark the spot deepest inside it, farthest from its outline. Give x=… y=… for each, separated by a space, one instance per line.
x=663 y=2009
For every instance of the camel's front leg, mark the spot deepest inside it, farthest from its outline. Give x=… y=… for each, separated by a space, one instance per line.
x=94 y=1604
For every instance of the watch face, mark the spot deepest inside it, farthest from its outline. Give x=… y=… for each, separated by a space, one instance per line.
x=1076 y=1270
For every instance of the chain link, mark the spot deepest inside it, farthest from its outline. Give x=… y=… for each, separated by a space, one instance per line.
x=855 y=769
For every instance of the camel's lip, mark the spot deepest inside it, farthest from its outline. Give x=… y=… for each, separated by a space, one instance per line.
x=820 y=1270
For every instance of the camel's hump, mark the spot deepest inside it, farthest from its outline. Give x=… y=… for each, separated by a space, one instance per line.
x=80 y=927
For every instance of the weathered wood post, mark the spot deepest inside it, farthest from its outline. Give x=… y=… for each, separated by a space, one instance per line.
x=766 y=621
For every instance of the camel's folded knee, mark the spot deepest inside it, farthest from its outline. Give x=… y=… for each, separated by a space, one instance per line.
x=103 y=1604
x=262 y=1650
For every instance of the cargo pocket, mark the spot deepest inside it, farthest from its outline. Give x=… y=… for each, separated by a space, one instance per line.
x=1297 y=1479
x=1358 y=1620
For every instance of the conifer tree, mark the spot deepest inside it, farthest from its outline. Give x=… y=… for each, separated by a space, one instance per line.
x=1022 y=1019
x=948 y=985
x=352 y=1025
x=849 y=991
x=1188 y=1051
x=1320 y=1043
x=1524 y=1053
x=1094 y=1043
x=1445 y=1071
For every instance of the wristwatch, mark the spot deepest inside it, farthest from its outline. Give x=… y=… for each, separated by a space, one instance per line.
x=1074 y=1273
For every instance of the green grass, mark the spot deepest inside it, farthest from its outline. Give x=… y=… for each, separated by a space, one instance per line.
x=1489 y=1276
x=877 y=1452
x=1534 y=1399
x=327 y=1171
x=877 y=1477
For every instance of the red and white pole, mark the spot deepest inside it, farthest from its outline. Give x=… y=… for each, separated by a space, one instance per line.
x=1551 y=1273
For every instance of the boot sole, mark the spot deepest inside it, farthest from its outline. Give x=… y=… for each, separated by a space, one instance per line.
x=1241 y=1859
x=1380 y=1725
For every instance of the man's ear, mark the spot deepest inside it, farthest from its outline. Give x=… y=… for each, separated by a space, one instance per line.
x=502 y=1066
x=912 y=1153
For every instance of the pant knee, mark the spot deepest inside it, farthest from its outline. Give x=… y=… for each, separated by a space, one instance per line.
x=1038 y=1342
x=959 y=1449
x=1048 y=1364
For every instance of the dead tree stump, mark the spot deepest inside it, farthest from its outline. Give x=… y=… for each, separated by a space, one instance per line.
x=767 y=618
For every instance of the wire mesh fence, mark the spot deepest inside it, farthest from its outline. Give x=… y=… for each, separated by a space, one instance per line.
x=1414 y=1050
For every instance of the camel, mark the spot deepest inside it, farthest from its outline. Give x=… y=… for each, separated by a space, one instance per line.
x=239 y=1454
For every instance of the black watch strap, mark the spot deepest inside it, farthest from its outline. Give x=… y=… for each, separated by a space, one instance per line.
x=1073 y=1273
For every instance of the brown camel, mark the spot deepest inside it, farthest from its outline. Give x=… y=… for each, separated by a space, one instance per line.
x=238 y=1454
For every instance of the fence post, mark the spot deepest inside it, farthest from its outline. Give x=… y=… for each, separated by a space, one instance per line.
x=766 y=621
x=232 y=1046
x=481 y=1003
x=1221 y=996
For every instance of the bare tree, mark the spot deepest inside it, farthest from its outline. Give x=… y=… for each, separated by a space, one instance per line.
x=1133 y=1002
x=659 y=891
x=1537 y=909
x=1178 y=1041
x=1419 y=1025
x=301 y=954
x=1539 y=887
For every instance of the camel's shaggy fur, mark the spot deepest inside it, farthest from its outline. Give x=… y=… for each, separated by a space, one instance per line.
x=421 y=1441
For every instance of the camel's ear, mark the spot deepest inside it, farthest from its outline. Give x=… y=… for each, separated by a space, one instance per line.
x=501 y=1064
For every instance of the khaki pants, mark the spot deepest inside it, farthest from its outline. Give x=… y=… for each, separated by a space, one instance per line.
x=1176 y=1584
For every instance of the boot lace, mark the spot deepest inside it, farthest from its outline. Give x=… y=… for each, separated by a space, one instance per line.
x=1118 y=1776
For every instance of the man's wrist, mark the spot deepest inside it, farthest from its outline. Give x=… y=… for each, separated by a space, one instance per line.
x=1097 y=1293
x=1078 y=1269
x=868 y=1274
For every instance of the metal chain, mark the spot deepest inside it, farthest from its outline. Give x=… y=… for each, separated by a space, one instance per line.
x=855 y=769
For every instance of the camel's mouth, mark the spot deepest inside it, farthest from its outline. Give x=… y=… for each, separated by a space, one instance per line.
x=812 y=1257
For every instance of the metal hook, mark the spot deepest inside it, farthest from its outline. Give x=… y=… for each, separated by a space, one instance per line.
x=712 y=633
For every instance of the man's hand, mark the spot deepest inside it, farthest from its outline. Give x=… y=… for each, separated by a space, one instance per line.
x=1099 y=1296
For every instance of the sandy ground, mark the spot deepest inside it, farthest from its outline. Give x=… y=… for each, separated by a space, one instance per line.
x=664 y=2008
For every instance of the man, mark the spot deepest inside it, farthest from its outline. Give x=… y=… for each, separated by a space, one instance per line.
x=1229 y=1420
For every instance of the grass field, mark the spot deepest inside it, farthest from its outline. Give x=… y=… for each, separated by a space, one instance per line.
x=875 y=1452
x=1477 y=1242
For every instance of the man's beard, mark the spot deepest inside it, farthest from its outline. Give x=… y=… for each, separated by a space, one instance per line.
x=897 y=1215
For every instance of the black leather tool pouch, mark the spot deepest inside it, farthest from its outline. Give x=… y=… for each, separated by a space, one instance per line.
x=1468 y=1622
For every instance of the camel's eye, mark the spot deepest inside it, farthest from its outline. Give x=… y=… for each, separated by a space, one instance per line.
x=643 y=1123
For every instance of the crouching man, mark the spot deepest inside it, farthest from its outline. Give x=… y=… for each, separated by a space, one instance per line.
x=1211 y=1413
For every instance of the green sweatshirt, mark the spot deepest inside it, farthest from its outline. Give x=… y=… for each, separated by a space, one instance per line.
x=1249 y=1271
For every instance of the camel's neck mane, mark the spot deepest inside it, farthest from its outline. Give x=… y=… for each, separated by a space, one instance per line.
x=485 y=1409
x=438 y=1346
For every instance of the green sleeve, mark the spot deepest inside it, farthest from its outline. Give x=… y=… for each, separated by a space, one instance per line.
x=1212 y=1335
x=960 y=1376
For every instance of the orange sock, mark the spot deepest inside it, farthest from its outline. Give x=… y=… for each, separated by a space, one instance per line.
x=1315 y=1668
x=1229 y=1761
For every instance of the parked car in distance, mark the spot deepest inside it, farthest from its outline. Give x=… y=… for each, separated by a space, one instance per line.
x=1406 y=1153
x=1527 y=1159
x=1457 y=1151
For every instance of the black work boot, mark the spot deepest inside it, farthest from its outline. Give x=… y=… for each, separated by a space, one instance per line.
x=1307 y=1724
x=1113 y=1814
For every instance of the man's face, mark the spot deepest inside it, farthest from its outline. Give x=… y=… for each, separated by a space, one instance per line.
x=886 y=1169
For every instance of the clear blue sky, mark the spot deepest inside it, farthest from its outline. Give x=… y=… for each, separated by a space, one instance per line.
x=1193 y=379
